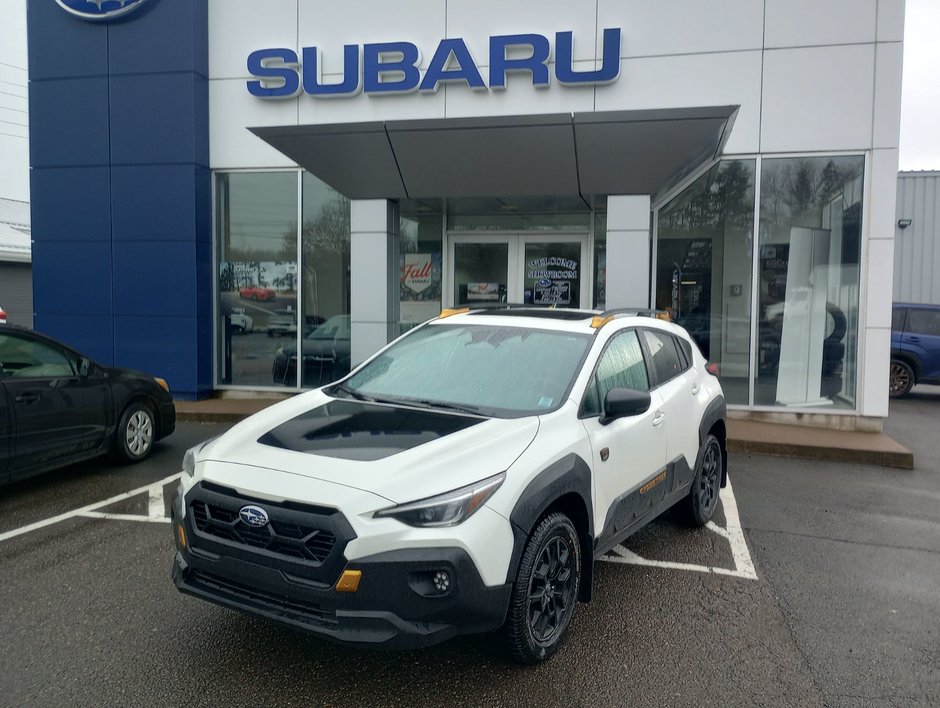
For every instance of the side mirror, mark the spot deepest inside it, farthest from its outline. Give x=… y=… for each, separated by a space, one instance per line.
x=623 y=403
x=84 y=366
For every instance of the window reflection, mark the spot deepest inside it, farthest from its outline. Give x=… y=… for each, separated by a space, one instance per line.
x=420 y=264
x=810 y=232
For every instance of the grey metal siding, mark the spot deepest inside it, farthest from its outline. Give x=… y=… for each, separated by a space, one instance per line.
x=16 y=293
x=917 y=247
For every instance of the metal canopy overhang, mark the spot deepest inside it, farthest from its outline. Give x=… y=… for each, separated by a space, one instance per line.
x=581 y=154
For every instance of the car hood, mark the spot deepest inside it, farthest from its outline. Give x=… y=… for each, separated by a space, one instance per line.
x=397 y=452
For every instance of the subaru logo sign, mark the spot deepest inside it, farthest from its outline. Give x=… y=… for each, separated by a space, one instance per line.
x=253 y=515
x=99 y=10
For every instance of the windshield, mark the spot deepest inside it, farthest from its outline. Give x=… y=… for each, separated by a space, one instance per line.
x=494 y=371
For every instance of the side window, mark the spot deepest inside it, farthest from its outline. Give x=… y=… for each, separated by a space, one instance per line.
x=926 y=322
x=897 y=319
x=685 y=353
x=665 y=358
x=22 y=358
x=620 y=366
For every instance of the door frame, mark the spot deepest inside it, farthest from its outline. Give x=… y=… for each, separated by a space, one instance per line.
x=516 y=241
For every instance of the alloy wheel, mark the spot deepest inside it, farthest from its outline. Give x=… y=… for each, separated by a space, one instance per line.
x=900 y=378
x=551 y=589
x=710 y=479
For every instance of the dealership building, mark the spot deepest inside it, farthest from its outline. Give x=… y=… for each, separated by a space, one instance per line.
x=218 y=185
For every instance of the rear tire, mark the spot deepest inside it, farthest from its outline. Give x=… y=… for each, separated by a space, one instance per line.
x=135 y=434
x=699 y=506
x=545 y=592
x=901 y=380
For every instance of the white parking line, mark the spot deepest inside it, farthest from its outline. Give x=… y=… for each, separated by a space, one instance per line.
x=91 y=510
x=732 y=532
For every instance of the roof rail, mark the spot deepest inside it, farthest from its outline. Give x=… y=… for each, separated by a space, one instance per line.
x=608 y=315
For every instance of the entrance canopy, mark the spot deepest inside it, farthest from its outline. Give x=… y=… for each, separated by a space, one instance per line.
x=563 y=154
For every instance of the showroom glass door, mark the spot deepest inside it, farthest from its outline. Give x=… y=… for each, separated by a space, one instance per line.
x=543 y=269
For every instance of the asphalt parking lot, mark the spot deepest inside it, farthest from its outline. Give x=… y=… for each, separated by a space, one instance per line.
x=824 y=593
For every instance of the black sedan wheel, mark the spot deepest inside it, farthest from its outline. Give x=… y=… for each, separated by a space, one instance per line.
x=546 y=590
x=702 y=501
x=902 y=379
x=133 y=439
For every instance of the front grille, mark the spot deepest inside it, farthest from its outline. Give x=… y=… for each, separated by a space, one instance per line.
x=304 y=611
x=284 y=537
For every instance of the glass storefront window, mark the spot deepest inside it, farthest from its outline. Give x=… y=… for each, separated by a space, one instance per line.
x=600 y=260
x=420 y=265
x=256 y=228
x=810 y=239
x=703 y=268
x=518 y=214
x=325 y=342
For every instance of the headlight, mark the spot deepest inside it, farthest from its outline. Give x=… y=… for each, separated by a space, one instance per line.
x=189 y=459
x=448 y=509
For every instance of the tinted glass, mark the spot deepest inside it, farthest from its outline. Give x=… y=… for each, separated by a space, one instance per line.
x=499 y=371
x=664 y=356
x=620 y=366
x=24 y=358
x=923 y=322
x=897 y=319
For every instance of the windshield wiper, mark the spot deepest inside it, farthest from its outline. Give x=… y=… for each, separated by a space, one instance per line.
x=443 y=405
x=353 y=394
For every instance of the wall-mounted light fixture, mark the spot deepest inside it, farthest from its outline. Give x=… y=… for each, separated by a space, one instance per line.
x=903 y=223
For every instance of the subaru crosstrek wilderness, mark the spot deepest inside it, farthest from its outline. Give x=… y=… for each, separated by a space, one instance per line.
x=461 y=480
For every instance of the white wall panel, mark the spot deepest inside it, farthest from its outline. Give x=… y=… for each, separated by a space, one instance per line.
x=701 y=80
x=368 y=108
x=882 y=200
x=522 y=98
x=232 y=110
x=880 y=283
x=239 y=27
x=890 y=20
x=803 y=23
x=887 y=127
x=874 y=375
x=682 y=27
x=477 y=20
x=330 y=25
x=818 y=98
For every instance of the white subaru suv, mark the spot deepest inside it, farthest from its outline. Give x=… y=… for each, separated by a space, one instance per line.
x=463 y=479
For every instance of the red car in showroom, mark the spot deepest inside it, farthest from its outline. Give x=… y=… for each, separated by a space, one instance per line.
x=256 y=292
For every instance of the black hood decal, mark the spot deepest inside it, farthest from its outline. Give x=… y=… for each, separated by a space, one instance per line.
x=353 y=430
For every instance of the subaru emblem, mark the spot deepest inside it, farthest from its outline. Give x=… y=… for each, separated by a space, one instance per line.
x=99 y=10
x=253 y=515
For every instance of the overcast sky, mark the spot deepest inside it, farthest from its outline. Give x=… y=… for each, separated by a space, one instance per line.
x=920 y=87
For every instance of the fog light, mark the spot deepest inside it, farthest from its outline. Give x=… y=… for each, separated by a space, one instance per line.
x=181 y=535
x=441 y=581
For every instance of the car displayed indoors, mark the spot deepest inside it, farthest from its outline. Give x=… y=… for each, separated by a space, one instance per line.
x=58 y=407
x=255 y=292
x=3 y=315
x=915 y=347
x=326 y=355
x=464 y=479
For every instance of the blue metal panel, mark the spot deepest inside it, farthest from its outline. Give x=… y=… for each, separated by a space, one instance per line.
x=163 y=37
x=154 y=202
x=152 y=118
x=162 y=346
x=72 y=278
x=92 y=335
x=70 y=204
x=155 y=278
x=61 y=45
x=68 y=122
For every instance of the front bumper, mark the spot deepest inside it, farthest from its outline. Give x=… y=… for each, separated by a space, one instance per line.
x=396 y=605
x=167 y=419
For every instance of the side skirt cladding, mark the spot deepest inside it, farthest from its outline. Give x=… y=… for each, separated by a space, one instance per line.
x=564 y=486
x=715 y=413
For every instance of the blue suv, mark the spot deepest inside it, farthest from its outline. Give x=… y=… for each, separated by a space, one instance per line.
x=915 y=347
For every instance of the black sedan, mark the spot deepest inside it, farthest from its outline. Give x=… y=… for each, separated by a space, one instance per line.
x=58 y=407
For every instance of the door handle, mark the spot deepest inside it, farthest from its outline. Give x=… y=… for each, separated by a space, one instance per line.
x=659 y=418
x=695 y=389
x=912 y=340
x=27 y=398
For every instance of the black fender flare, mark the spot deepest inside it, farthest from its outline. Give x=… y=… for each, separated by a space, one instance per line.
x=568 y=477
x=717 y=411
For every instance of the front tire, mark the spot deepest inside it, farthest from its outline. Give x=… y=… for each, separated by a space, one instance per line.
x=545 y=592
x=135 y=434
x=902 y=379
x=702 y=501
